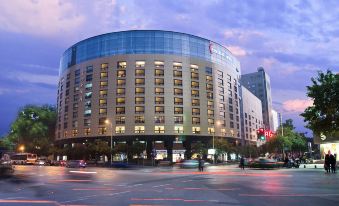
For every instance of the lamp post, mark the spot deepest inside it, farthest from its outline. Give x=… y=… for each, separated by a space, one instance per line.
x=217 y=123
x=111 y=126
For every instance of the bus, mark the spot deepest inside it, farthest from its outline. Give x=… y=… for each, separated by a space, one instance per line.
x=24 y=158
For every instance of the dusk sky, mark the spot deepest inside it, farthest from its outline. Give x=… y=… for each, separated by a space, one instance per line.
x=290 y=39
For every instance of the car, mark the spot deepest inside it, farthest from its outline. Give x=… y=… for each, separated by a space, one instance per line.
x=265 y=163
x=41 y=162
x=189 y=164
x=76 y=164
x=62 y=163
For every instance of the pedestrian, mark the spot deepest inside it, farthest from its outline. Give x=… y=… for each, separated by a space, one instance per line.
x=200 y=164
x=332 y=161
x=327 y=163
x=242 y=163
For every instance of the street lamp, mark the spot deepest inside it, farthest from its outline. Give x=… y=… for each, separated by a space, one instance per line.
x=217 y=124
x=22 y=148
x=110 y=123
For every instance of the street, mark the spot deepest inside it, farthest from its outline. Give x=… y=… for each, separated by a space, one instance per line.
x=222 y=185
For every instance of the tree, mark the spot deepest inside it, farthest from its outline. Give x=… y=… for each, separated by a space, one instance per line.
x=323 y=116
x=199 y=148
x=34 y=127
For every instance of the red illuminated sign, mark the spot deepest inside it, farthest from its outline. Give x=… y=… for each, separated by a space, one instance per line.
x=267 y=133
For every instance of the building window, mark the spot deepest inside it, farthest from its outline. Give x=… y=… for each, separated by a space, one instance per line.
x=122 y=65
x=139 y=90
x=178 y=82
x=194 y=84
x=177 y=91
x=177 y=73
x=103 y=93
x=159 y=81
x=159 y=64
x=178 y=119
x=210 y=130
x=195 y=93
x=159 y=129
x=120 y=100
x=194 y=76
x=87 y=131
x=139 y=100
x=195 y=120
x=139 y=81
x=177 y=65
x=121 y=82
x=104 y=67
x=210 y=121
x=75 y=123
x=195 y=111
x=139 y=109
x=121 y=91
x=120 y=129
x=102 y=130
x=103 y=111
x=88 y=95
x=232 y=124
x=87 y=122
x=159 y=90
x=139 y=129
x=88 y=86
x=159 y=100
x=159 y=109
x=179 y=129
x=89 y=77
x=121 y=73
x=196 y=130
x=159 y=119
x=178 y=101
x=209 y=95
x=74 y=132
x=159 y=72
x=103 y=75
x=210 y=113
x=139 y=119
x=208 y=70
x=89 y=69
x=103 y=84
x=209 y=79
x=120 y=119
x=140 y=64
x=120 y=110
x=230 y=108
x=87 y=113
x=210 y=104
x=178 y=110
x=102 y=102
x=195 y=102
x=140 y=72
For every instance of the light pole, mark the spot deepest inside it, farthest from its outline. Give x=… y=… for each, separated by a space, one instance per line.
x=214 y=128
x=110 y=123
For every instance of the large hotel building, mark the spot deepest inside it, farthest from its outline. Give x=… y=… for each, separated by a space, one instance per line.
x=165 y=89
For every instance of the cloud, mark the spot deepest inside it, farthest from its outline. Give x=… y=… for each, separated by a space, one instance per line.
x=39 y=17
x=237 y=51
x=296 y=105
x=51 y=80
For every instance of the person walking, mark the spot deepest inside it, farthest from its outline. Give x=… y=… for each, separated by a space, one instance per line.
x=332 y=161
x=327 y=163
x=200 y=164
x=242 y=163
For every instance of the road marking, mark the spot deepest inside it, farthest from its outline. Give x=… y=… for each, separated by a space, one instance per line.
x=161 y=185
x=199 y=188
x=90 y=196
x=171 y=199
x=288 y=195
x=93 y=189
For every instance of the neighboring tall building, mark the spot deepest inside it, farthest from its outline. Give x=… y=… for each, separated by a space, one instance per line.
x=276 y=121
x=259 y=84
x=251 y=116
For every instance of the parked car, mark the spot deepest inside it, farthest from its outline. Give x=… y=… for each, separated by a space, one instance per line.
x=265 y=163
x=62 y=163
x=76 y=164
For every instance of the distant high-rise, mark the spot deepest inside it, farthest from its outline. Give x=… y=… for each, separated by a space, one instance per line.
x=259 y=84
x=275 y=120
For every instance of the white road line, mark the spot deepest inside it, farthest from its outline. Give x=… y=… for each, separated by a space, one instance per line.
x=161 y=185
x=90 y=196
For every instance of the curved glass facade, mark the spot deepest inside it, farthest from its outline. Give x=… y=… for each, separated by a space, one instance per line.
x=147 y=42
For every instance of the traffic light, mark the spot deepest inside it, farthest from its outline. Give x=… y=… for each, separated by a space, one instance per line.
x=262 y=137
x=261 y=134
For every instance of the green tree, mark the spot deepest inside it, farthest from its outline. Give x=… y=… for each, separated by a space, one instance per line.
x=323 y=116
x=137 y=148
x=199 y=148
x=34 y=127
x=222 y=146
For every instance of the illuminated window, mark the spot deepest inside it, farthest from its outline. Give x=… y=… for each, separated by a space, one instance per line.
x=159 y=81
x=121 y=82
x=195 y=111
x=178 y=110
x=193 y=66
x=102 y=120
x=177 y=91
x=159 y=100
x=122 y=65
x=121 y=73
x=103 y=93
x=87 y=122
x=139 y=81
x=195 y=120
x=159 y=129
x=139 y=129
x=210 y=104
x=178 y=119
x=140 y=72
x=102 y=102
x=104 y=67
x=159 y=72
x=195 y=93
x=139 y=64
x=177 y=82
x=178 y=129
x=88 y=95
x=120 y=119
x=196 y=130
x=177 y=65
x=139 y=119
x=209 y=95
x=209 y=87
x=120 y=100
x=87 y=131
x=210 y=121
x=102 y=130
x=178 y=101
x=177 y=73
x=210 y=130
x=159 y=109
x=159 y=90
x=195 y=102
x=209 y=79
x=75 y=123
x=103 y=111
x=139 y=109
x=194 y=84
x=103 y=83
x=140 y=100
x=88 y=104
x=120 y=129
x=194 y=76
x=139 y=90
x=87 y=112
x=159 y=119
x=210 y=112
x=121 y=91
x=120 y=110
x=159 y=64
x=103 y=75
x=75 y=132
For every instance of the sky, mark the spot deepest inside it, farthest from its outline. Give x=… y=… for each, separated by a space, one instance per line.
x=292 y=40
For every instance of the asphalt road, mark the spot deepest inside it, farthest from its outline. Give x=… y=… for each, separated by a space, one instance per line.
x=226 y=185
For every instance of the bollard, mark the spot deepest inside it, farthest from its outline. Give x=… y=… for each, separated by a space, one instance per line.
x=304 y=166
x=315 y=166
